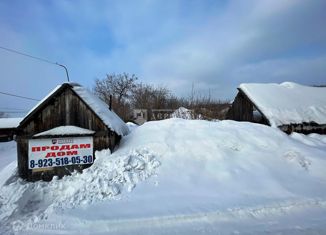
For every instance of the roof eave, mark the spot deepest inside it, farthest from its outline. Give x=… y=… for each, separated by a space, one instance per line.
x=253 y=103
x=63 y=86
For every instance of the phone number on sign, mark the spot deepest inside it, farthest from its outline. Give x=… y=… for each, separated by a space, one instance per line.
x=60 y=161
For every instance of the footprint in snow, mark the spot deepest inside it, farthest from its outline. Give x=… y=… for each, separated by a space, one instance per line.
x=297 y=157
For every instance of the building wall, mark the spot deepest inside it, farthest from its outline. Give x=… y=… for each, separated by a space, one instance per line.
x=7 y=134
x=241 y=109
x=66 y=108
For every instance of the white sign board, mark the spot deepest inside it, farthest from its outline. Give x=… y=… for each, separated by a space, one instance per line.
x=56 y=152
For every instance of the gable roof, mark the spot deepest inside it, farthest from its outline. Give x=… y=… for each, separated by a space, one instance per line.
x=101 y=109
x=288 y=102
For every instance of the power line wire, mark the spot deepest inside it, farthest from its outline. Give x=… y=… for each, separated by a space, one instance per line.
x=33 y=57
x=18 y=96
x=36 y=58
x=6 y=108
x=24 y=54
x=12 y=111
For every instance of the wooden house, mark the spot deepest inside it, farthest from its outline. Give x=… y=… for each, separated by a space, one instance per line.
x=8 y=128
x=288 y=106
x=69 y=111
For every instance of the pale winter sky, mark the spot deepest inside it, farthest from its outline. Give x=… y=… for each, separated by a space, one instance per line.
x=215 y=45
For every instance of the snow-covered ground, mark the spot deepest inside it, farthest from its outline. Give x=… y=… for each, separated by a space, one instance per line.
x=131 y=126
x=179 y=177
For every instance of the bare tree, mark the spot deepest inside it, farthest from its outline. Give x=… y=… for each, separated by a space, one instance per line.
x=149 y=97
x=142 y=96
x=161 y=97
x=120 y=87
x=128 y=95
x=117 y=85
x=123 y=85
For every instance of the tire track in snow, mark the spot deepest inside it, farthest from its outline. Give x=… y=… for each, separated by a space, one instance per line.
x=211 y=218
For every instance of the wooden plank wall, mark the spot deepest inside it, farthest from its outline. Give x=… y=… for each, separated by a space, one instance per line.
x=241 y=109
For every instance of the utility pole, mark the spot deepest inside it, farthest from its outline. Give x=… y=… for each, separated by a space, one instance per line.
x=65 y=69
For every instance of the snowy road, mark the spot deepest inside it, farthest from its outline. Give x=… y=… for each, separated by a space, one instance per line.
x=301 y=217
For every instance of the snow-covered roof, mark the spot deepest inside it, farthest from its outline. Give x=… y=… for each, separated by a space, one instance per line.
x=44 y=99
x=9 y=122
x=288 y=102
x=66 y=130
x=110 y=119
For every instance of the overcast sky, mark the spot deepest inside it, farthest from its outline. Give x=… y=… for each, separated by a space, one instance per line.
x=215 y=45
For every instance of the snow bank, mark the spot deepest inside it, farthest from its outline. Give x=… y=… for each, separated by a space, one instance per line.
x=201 y=177
x=66 y=130
x=132 y=126
x=8 y=152
x=9 y=122
x=313 y=140
x=288 y=103
x=229 y=159
x=107 y=178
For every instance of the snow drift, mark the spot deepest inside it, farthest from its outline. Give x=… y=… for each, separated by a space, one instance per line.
x=107 y=178
x=186 y=176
